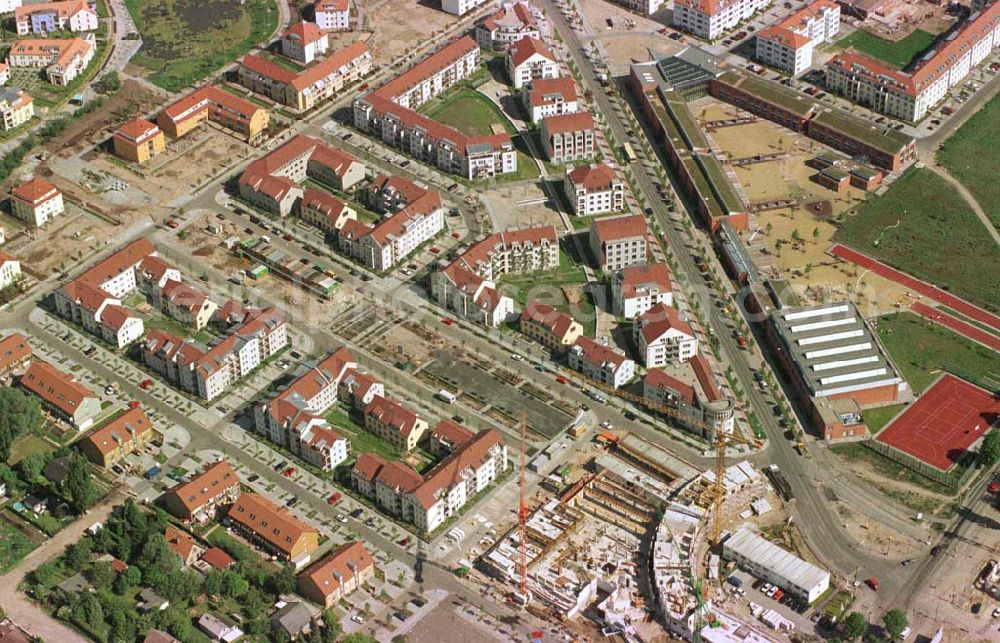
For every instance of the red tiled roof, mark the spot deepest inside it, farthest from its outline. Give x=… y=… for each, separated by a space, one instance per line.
x=556 y=322
x=205 y=486
x=393 y=414
x=521 y=17
x=407 y=189
x=64 y=9
x=660 y=319
x=326 y=373
x=574 y=122
x=124 y=428
x=336 y=159
x=218 y=558
x=428 y=67
x=636 y=278
x=114 y=265
x=354 y=229
x=448 y=431
x=59 y=389
x=269 y=521
x=183 y=295
x=367 y=466
x=35 y=192
x=481 y=251
x=303 y=31
x=544 y=90
x=337 y=568
x=785 y=37
x=527 y=47
x=268 y=69
x=330 y=65
x=658 y=379
x=703 y=373
x=620 y=228
x=398 y=477
x=155 y=267
x=450 y=471
x=598 y=353
x=180 y=542
x=395 y=225
x=598 y=176
x=89 y=297
x=136 y=129
x=115 y=317
x=14 y=348
x=332 y=5
x=328 y=204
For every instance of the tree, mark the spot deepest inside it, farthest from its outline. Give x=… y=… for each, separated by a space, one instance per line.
x=358 y=637
x=102 y=574
x=78 y=488
x=20 y=413
x=795 y=235
x=30 y=467
x=109 y=83
x=895 y=622
x=989 y=451
x=78 y=554
x=854 y=626
x=234 y=585
x=331 y=627
x=213 y=583
x=282 y=582
x=816 y=234
x=128 y=579
x=768 y=228
x=45 y=574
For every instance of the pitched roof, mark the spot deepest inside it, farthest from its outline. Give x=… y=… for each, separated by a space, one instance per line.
x=527 y=47
x=656 y=378
x=703 y=373
x=598 y=354
x=659 y=320
x=480 y=253
x=333 y=5
x=396 y=225
x=336 y=159
x=183 y=296
x=218 y=558
x=117 y=263
x=124 y=428
x=407 y=190
x=620 y=228
x=64 y=9
x=455 y=434
x=180 y=542
x=392 y=413
x=318 y=200
x=544 y=91
x=593 y=178
x=398 y=477
x=137 y=130
x=337 y=568
x=556 y=322
x=35 y=191
x=269 y=521
x=573 y=122
x=453 y=468
x=639 y=279
x=13 y=349
x=204 y=487
x=59 y=389
x=154 y=268
x=428 y=67
x=519 y=18
x=332 y=64
x=367 y=466
x=304 y=32
x=785 y=37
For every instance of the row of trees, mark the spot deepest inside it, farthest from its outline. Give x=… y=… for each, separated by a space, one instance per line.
x=20 y=414
x=856 y=625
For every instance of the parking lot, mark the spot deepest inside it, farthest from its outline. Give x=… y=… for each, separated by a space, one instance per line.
x=754 y=592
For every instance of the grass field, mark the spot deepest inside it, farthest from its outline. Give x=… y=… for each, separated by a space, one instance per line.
x=544 y=286
x=972 y=156
x=922 y=349
x=878 y=418
x=25 y=446
x=898 y=54
x=923 y=227
x=13 y=545
x=215 y=33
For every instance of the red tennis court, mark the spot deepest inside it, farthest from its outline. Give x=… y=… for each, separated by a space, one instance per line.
x=941 y=425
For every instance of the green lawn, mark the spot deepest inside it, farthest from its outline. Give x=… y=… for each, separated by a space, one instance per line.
x=972 y=156
x=14 y=545
x=362 y=441
x=469 y=112
x=546 y=287
x=923 y=227
x=168 y=325
x=899 y=54
x=885 y=467
x=214 y=33
x=879 y=417
x=25 y=446
x=923 y=349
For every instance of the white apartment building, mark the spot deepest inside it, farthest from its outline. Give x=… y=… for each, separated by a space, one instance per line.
x=647 y=7
x=10 y=270
x=529 y=59
x=304 y=42
x=620 y=242
x=43 y=17
x=709 y=19
x=16 y=108
x=333 y=15
x=594 y=189
x=569 y=137
x=663 y=338
x=470 y=296
x=263 y=334
x=513 y=251
x=63 y=58
x=598 y=362
x=789 y=45
x=636 y=289
x=460 y=7
x=514 y=20
x=98 y=313
x=106 y=283
x=36 y=202
x=909 y=95
x=389 y=242
x=551 y=97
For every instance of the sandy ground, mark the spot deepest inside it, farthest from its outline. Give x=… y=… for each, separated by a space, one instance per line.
x=521 y=206
x=623 y=42
x=903 y=18
x=400 y=25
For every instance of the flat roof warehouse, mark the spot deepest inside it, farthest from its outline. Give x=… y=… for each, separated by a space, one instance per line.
x=781 y=563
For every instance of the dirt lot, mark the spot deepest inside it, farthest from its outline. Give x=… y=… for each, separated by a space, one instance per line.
x=623 y=42
x=400 y=25
x=66 y=240
x=520 y=206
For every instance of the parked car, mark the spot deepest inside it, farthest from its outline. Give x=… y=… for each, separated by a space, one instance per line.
x=334 y=498
x=291 y=502
x=253 y=477
x=873 y=583
x=341 y=518
x=289 y=472
x=134 y=404
x=146 y=383
x=281 y=465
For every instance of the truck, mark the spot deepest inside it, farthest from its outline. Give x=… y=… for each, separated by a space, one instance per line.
x=446 y=396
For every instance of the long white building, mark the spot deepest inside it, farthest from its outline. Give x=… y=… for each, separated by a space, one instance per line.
x=789 y=45
x=709 y=19
x=767 y=561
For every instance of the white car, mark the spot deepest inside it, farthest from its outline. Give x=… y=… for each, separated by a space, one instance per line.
x=607 y=425
x=341 y=518
x=765 y=588
x=357 y=618
x=516 y=357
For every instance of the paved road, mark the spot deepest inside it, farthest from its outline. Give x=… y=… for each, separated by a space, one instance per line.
x=28 y=614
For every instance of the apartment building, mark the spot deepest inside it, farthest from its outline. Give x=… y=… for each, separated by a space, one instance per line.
x=45 y=17
x=470 y=296
x=187 y=305
x=514 y=21
x=709 y=19
x=63 y=59
x=306 y=89
x=908 y=95
x=153 y=274
x=598 y=362
x=199 y=499
x=343 y=570
x=551 y=97
x=389 y=113
x=117 y=273
x=358 y=389
x=663 y=337
x=16 y=108
x=447 y=437
x=15 y=355
x=335 y=167
x=98 y=313
x=428 y=501
x=460 y=7
x=36 y=202
x=789 y=45
x=294 y=418
x=705 y=406
x=389 y=193
x=173 y=358
x=528 y=59
x=620 y=242
x=636 y=289
x=61 y=395
x=109 y=444
x=333 y=15
x=213 y=104
x=394 y=423
x=10 y=270
x=594 y=189
x=324 y=211
x=138 y=141
x=304 y=42
x=273 y=529
x=390 y=241
x=263 y=335
x=647 y=7
x=552 y=329
x=568 y=137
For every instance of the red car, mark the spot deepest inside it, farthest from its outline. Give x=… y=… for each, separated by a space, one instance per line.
x=445 y=320
x=777 y=595
x=133 y=404
x=434 y=251
x=146 y=383
x=994 y=487
x=334 y=498
x=871 y=582
x=562 y=380
x=289 y=471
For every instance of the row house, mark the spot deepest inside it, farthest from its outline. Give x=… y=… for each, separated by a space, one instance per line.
x=551 y=97
x=109 y=444
x=594 y=189
x=306 y=89
x=709 y=19
x=98 y=313
x=394 y=423
x=201 y=497
x=341 y=572
x=273 y=529
x=389 y=242
x=333 y=15
x=528 y=59
x=552 y=329
x=45 y=17
x=636 y=289
x=620 y=242
x=138 y=141
x=514 y=21
x=568 y=137
x=16 y=108
x=601 y=363
x=153 y=273
x=324 y=211
x=210 y=103
x=63 y=59
x=10 y=270
x=15 y=355
x=172 y=358
x=61 y=394
x=663 y=337
x=789 y=45
x=304 y=42
x=471 y=297
x=513 y=252
x=36 y=202
x=187 y=305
